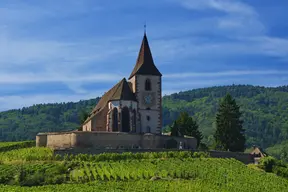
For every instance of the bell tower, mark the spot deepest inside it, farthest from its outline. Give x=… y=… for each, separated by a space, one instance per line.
x=146 y=84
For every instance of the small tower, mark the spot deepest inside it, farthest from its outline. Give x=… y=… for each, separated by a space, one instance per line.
x=146 y=84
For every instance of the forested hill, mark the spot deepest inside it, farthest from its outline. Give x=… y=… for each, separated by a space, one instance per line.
x=265 y=113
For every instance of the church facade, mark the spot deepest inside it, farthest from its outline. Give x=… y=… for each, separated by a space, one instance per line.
x=128 y=116
x=133 y=105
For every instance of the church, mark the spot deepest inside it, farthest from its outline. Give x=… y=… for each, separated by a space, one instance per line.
x=132 y=105
x=127 y=117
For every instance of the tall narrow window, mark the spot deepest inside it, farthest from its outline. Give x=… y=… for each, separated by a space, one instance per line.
x=148 y=129
x=115 y=120
x=148 y=85
x=134 y=119
x=125 y=119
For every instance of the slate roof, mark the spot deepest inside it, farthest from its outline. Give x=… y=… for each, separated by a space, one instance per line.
x=120 y=91
x=145 y=64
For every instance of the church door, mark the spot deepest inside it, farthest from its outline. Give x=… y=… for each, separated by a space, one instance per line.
x=125 y=120
x=115 y=119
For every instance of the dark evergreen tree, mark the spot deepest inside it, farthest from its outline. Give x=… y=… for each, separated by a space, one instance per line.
x=82 y=118
x=175 y=129
x=284 y=154
x=185 y=125
x=229 y=133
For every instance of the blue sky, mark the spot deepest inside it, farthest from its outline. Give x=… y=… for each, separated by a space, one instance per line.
x=57 y=51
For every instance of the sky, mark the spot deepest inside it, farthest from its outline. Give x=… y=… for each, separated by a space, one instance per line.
x=71 y=50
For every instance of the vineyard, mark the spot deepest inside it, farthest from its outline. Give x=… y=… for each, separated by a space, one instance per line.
x=7 y=146
x=37 y=169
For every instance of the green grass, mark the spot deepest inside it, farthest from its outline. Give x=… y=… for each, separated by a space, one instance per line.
x=27 y=154
x=229 y=173
x=39 y=169
x=187 y=173
x=7 y=146
x=47 y=154
x=131 y=186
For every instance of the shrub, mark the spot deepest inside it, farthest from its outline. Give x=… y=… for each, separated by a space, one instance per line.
x=280 y=171
x=267 y=163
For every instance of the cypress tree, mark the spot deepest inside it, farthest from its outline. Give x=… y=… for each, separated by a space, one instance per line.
x=229 y=133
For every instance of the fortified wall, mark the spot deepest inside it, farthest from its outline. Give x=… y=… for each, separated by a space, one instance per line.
x=112 y=140
x=117 y=142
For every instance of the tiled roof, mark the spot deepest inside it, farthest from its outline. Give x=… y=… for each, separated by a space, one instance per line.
x=120 y=91
x=145 y=64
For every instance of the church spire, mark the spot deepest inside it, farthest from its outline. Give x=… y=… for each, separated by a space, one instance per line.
x=145 y=64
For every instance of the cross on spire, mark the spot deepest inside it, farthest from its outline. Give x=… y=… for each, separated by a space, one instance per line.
x=145 y=27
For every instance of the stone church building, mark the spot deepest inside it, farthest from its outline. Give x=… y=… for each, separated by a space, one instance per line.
x=128 y=116
x=132 y=105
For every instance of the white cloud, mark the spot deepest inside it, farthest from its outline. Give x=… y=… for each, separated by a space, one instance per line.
x=23 y=12
x=225 y=73
x=17 y=101
x=240 y=26
x=228 y=6
x=26 y=78
x=24 y=51
x=272 y=45
x=240 y=30
x=239 y=15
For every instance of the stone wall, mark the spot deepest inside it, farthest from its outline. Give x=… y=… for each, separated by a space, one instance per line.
x=109 y=140
x=64 y=140
x=99 y=121
x=243 y=157
x=118 y=142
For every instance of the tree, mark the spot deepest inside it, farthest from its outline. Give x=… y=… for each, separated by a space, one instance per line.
x=229 y=133
x=185 y=125
x=175 y=129
x=284 y=154
x=82 y=117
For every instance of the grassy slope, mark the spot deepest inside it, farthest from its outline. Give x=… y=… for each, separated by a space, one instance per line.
x=176 y=174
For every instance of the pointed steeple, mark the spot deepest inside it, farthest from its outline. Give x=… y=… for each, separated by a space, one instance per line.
x=145 y=64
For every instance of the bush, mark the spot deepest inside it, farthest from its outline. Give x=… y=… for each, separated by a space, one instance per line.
x=267 y=163
x=281 y=171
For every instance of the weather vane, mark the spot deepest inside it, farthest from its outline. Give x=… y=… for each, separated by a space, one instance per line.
x=145 y=27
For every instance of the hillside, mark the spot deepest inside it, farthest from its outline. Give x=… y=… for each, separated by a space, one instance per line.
x=279 y=151
x=265 y=114
x=25 y=168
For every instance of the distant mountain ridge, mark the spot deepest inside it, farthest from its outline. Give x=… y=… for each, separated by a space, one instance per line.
x=265 y=113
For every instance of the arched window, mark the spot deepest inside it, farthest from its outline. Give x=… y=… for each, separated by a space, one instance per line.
x=115 y=119
x=147 y=85
x=125 y=120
